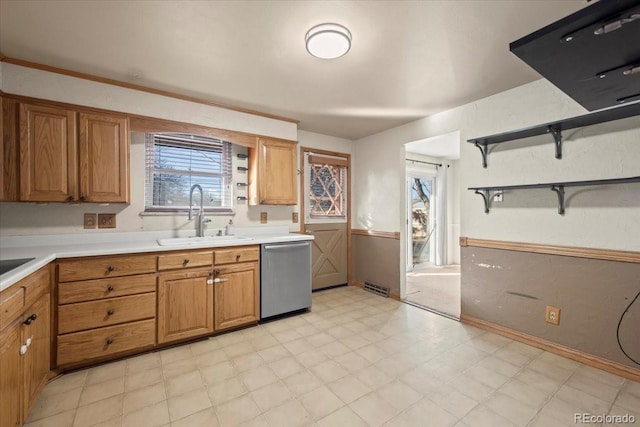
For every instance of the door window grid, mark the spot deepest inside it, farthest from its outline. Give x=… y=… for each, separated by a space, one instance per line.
x=326 y=191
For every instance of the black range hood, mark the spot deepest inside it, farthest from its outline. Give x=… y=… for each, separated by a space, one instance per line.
x=592 y=55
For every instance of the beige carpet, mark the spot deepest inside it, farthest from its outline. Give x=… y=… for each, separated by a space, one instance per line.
x=437 y=288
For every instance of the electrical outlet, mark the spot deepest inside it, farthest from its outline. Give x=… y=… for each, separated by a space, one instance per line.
x=553 y=315
x=263 y=217
x=294 y=217
x=106 y=220
x=90 y=220
x=497 y=197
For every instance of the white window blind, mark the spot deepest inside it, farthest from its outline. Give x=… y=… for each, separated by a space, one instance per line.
x=175 y=162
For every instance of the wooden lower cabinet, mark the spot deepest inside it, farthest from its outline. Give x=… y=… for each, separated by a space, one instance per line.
x=237 y=295
x=10 y=377
x=25 y=346
x=36 y=332
x=101 y=344
x=185 y=304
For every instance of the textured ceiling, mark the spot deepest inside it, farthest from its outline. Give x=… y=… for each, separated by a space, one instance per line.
x=408 y=59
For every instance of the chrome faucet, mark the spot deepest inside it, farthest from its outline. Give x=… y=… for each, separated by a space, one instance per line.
x=201 y=220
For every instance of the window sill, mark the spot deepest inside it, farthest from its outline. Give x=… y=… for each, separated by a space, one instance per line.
x=186 y=213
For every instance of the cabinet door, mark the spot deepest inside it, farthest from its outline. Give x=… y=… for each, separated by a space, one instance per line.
x=9 y=150
x=104 y=158
x=276 y=172
x=237 y=295
x=185 y=305
x=48 y=163
x=36 y=330
x=10 y=378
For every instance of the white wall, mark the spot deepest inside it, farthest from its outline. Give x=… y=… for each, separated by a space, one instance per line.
x=54 y=218
x=603 y=217
x=25 y=81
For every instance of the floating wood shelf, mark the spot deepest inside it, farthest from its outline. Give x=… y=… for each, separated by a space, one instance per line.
x=557 y=187
x=555 y=129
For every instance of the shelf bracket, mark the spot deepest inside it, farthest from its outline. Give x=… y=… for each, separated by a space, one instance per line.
x=557 y=138
x=559 y=190
x=485 y=196
x=484 y=149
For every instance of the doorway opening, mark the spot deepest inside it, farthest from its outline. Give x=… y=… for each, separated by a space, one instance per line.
x=432 y=199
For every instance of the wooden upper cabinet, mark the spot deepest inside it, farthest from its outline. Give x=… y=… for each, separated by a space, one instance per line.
x=48 y=162
x=104 y=158
x=9 y=150
x=272 y=173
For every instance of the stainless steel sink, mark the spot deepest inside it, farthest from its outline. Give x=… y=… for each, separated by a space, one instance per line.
x=7 y=265
x=187 y=241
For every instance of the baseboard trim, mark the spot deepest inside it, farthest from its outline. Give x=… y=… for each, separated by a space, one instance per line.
x=561 y=350
x=359 y=284
x=383 y=234
x=592 y=253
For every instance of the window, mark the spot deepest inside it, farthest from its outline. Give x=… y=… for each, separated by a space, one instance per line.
x=175 y=162
x=327 y=187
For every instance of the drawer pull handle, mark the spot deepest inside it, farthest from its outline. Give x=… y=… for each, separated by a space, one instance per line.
x=109 y=341
x=186 y=261
x=30 y=319
x=237 y=257
x=110 y=312
x=218 y=280
x=110 y=269
x=110 y=288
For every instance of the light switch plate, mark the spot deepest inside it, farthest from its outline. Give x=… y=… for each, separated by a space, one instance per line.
x=90 y=220
x=294 y=217
x=263 y=217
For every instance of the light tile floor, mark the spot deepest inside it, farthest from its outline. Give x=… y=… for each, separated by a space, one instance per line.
x=356 y=359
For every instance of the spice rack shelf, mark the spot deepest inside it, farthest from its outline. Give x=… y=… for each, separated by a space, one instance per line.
x=555 y=129
x=557 y=187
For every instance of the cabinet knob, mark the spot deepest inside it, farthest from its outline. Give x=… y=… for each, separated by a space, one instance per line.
x=216 y=271
x=185 y=261
x=110 y=312
x=110 y=288
x=70 y=198
x=237 y=257
x=23 y=350
x=109 y=341
x=111 y=269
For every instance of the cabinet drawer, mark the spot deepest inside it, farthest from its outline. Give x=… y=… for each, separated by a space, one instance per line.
x=11 y=305
x=89 y=290
x=240 y=254
x=106 y=312
x=36 y=285
x=82 y=347
x=185 y=260
x=103 y=267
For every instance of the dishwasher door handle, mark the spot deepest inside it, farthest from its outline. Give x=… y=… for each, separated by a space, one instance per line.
x=292 y=245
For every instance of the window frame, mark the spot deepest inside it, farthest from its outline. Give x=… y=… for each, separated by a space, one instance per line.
x=194 y=142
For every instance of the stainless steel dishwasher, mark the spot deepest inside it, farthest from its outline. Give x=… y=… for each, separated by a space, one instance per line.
x=285 y=278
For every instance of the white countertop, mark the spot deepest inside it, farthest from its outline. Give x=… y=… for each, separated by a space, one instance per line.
x=45 y=249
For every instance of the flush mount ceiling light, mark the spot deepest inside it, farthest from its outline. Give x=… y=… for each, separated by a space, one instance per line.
x=328 y=41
